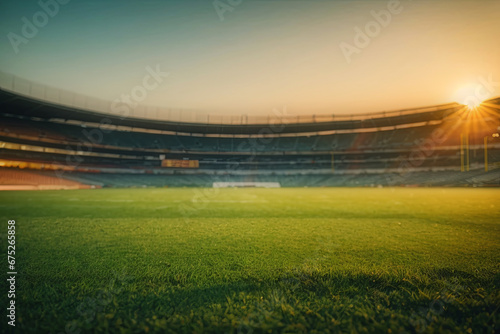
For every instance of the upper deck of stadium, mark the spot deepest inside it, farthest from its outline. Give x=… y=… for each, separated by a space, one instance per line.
x=24 y=98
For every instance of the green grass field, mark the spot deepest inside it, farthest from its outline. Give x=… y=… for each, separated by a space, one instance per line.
x=255 y=260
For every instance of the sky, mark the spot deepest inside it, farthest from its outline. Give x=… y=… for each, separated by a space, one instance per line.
x=235 y=57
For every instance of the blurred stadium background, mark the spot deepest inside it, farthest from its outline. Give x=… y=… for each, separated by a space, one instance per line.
x=55 y=139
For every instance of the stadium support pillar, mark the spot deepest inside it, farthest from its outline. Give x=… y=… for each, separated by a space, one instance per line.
x=485 y=154
x=467 y=150
x=462 y=152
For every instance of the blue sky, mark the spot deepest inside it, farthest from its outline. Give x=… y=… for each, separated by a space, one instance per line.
x=259 y=55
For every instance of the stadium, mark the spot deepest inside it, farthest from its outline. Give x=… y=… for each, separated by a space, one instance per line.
x=302 y=167
x=44 y=143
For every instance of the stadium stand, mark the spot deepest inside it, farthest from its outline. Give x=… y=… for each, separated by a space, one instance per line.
x=12 y=179
x=441 y=145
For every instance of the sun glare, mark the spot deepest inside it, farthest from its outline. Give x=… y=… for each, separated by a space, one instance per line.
x=468 y=95
x=473 y=105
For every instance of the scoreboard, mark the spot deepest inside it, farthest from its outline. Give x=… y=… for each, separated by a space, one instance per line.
x=180 y=163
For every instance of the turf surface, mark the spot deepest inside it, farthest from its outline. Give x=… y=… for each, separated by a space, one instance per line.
x=255 y=260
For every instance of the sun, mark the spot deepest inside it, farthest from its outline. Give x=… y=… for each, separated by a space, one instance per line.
x=469 y=95
x=473 y=104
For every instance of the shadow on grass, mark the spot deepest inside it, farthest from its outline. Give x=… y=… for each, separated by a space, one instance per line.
x=399 y=292
x=297 y=300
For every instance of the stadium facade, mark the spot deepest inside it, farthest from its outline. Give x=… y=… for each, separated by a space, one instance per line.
x=74 y=142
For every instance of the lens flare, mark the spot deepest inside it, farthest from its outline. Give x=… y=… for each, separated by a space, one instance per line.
x=470 y=96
